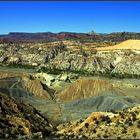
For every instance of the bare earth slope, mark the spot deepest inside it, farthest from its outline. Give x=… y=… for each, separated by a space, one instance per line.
x=123 y=124
x=22 y=85
x=129 y=44
x=84 y=88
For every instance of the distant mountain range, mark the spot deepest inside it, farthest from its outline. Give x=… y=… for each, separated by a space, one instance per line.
x=49 y=36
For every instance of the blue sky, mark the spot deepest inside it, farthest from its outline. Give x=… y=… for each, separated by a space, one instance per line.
x=102 y=17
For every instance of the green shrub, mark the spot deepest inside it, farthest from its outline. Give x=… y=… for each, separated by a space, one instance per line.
x=50 y=71
x=15 y=65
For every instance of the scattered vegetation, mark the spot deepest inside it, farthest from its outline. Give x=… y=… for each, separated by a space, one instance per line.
x=79 y=72
x=24 y=66
x=114 y=127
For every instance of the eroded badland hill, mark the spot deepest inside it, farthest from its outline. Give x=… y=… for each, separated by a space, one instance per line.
x=70 y=85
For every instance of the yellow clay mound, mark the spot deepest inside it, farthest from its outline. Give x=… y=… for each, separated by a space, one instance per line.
x=129 y=44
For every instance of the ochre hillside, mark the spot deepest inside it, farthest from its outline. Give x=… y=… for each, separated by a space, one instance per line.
x=21 y=83
x=84 y=88
x=100 y=125
x=129 y=44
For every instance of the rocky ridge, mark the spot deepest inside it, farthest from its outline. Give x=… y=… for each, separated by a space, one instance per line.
x=122 y=124
x=21 y=120
x=63 y=56
x=20 y=37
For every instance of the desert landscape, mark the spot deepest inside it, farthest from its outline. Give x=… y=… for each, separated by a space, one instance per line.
x=70 y=85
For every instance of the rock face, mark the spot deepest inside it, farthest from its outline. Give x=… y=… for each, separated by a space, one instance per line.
x=55 y=57
x=20 y=120
x=120 y=62
x=128 y=65
x=29 y=54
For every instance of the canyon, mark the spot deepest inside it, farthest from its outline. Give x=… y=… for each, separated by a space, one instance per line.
x=70 y=86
